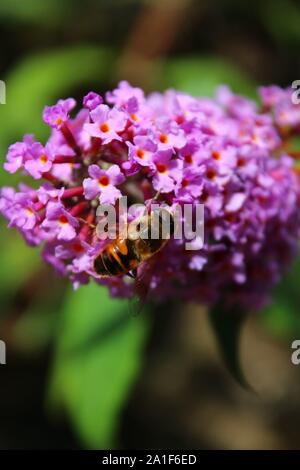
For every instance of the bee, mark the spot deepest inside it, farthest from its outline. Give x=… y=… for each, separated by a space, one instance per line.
x=124 y=255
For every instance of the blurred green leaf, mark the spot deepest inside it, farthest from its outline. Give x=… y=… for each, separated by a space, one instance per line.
x=294 y=143
x=34 y=330
x=34 y=327
x=18 y=262
x=47 y=11
x=282 y=316
x=98 y=358
x=227 y=327
x=281 y=19
x=42 y=79
x=201 y=75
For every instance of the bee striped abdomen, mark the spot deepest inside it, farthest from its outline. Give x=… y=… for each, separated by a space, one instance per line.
x=119 y=257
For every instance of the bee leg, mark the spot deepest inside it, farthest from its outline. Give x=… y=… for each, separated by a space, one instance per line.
x=132 y=273
x=156 y=196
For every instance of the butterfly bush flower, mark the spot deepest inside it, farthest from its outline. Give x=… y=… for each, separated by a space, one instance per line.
x=228 y=153
x=56 y=115
x=103 y=184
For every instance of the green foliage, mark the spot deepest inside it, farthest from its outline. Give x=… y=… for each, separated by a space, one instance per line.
x=18 y=261
x=34 y=330
x=34 y=11
x=281 y=19
x=201 y=75
x=281 y=317
x=227 y=327
x=97 y=360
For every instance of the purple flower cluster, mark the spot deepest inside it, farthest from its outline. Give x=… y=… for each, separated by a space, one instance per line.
x=227 y=153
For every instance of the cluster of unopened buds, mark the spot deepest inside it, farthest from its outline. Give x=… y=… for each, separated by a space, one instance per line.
x=228 y=153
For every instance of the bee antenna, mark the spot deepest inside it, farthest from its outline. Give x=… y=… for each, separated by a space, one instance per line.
x=87 y=223
x=148 y=205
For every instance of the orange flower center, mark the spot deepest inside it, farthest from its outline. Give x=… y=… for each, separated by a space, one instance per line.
x=163 y=138
x=216 y=155
x=241 y=162
x=161 y=168
x=134 y=117
x=188 y=159
x=104 y=180
x=104 y=127
x=140 y=153
x=77 y=247
x=204 y=197
x=43 y=159
x=29 y=211
x=229 y=217
x=63 y=220
x=58 y=121
x=211 y=174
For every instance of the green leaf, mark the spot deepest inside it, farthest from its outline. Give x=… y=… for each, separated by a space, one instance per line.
x=227 y=327
x=98 y=357
x=201 y=75
x=18 y=262
x=35 y=11
x=34 y=330
x=281 y=317
x=41 y=79
x=281 y=19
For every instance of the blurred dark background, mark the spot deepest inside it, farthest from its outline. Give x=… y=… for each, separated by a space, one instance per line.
x=76 y=376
